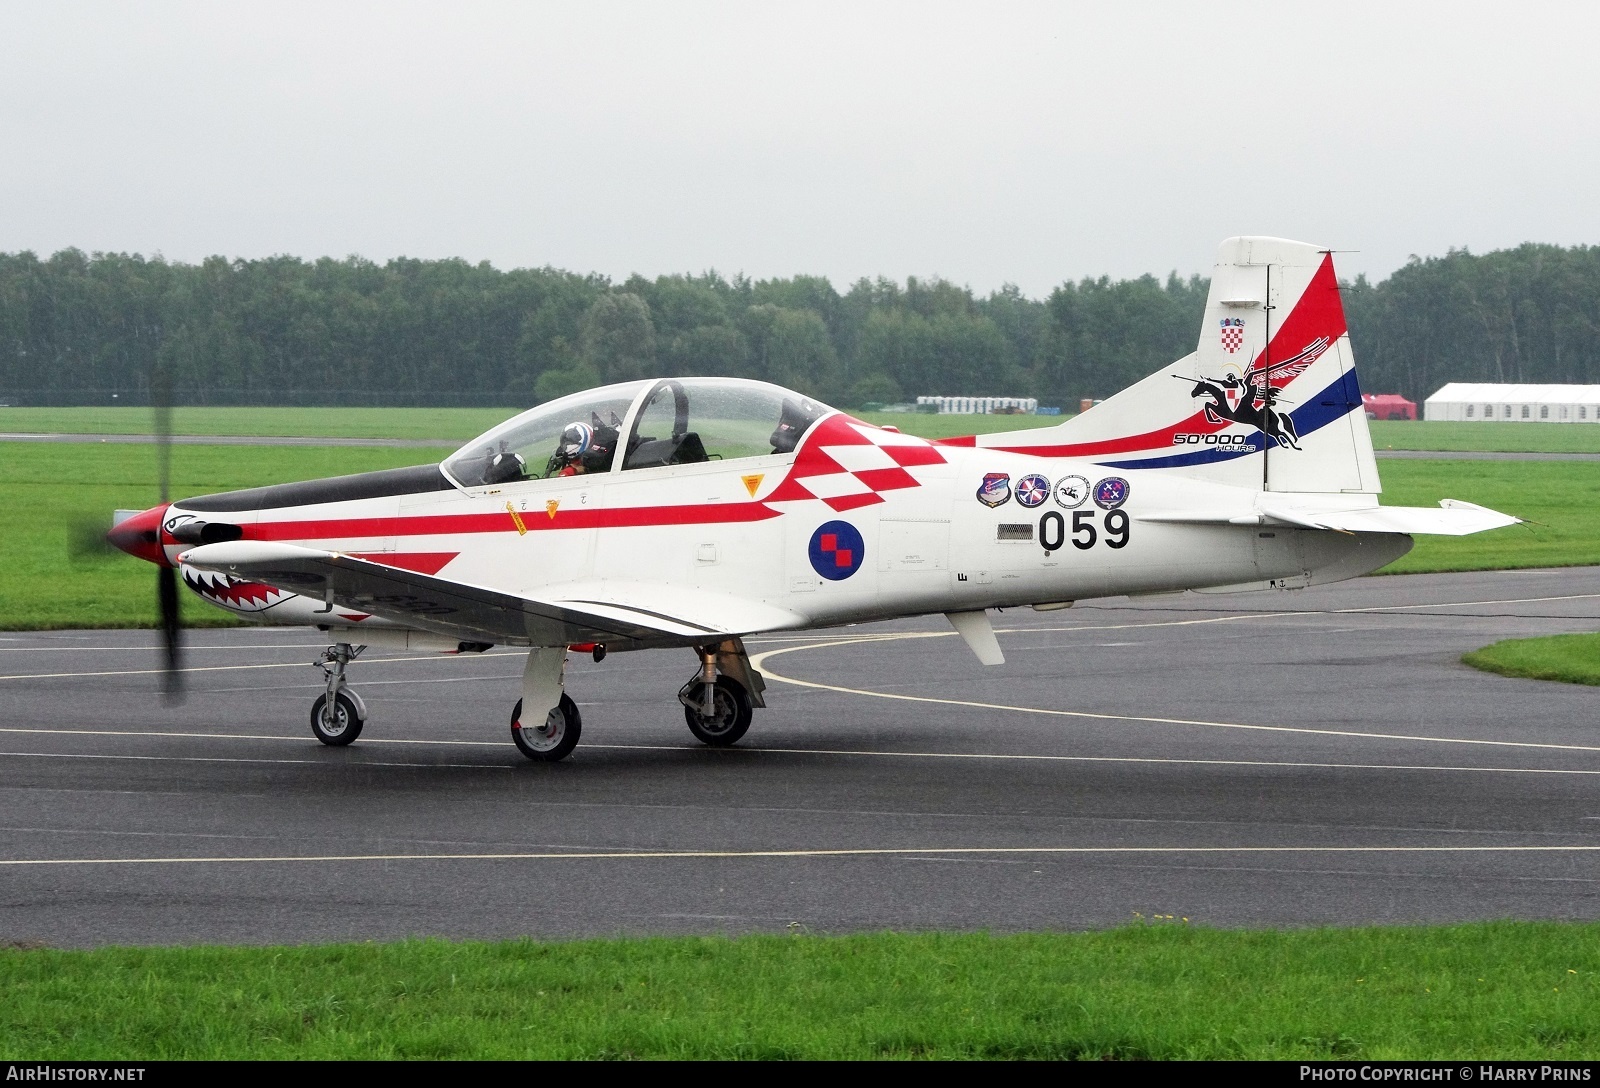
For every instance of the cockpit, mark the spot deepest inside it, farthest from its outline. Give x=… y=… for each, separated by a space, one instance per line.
x=674 y=421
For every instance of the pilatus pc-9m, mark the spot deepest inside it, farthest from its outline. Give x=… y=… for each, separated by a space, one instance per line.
x=694 y=512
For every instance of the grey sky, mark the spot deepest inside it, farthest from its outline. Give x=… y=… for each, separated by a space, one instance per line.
x=983 y=142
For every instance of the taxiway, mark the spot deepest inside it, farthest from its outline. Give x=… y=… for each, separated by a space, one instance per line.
x=1261 y=759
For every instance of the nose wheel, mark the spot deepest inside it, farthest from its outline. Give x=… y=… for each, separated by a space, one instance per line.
x=339 y=723
x=338 y=714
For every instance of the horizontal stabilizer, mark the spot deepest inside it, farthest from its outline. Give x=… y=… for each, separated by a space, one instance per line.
x=643 y=615
x=1453 y=518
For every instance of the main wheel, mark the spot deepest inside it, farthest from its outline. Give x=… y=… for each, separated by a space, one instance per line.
x=338 y=725
x=731 y=717
x=553 y=740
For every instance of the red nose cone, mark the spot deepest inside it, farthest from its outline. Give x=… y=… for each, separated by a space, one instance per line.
x=140 y=535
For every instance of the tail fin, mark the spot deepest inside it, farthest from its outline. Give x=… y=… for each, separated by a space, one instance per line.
x=1267 y=400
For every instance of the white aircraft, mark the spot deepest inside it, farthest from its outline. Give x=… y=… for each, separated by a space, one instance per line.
x=695 y=512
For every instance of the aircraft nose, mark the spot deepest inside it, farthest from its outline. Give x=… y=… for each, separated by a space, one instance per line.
x=140 y=535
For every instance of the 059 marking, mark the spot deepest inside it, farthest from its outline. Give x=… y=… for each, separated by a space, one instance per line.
x=1053 y=533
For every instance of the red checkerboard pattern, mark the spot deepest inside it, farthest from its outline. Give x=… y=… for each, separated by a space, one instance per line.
x=842 y=557
x=847 y=464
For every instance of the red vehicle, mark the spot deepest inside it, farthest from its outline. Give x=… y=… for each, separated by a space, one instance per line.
x=1388 y=406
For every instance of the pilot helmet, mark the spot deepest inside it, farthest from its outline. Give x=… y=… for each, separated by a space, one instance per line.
x=575 y=442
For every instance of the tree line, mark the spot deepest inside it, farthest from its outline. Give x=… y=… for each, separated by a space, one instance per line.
x=77 y=328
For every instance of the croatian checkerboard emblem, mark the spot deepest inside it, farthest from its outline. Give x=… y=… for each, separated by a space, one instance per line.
x=837 y=550
x=1111 y=492
x=1033 y=489
x=1232 y=334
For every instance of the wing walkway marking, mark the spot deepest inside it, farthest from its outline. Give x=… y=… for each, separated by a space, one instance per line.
x=759 y=663
x=844 y=852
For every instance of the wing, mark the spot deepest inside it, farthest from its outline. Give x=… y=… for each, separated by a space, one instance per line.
x=642 y=614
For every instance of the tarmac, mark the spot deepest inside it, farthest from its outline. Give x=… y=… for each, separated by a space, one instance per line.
x=1273 y=759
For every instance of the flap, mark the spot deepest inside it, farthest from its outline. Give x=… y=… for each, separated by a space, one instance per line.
x=643 y=614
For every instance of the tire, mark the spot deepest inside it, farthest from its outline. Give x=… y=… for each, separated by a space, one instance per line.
x=555 y=739
x=731 y=719
x=341 y=727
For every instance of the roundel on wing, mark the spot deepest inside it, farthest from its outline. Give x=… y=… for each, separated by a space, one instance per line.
x=837 y=550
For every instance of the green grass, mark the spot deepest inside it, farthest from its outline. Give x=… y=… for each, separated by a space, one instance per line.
x=449 y=425
x=1573 y=659
x=459 y=424
x=1561 y=497
x=1497 y=990
x=46 y=489
x=1497 y=437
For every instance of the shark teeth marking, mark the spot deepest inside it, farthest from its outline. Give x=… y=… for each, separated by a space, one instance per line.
x=234 y=594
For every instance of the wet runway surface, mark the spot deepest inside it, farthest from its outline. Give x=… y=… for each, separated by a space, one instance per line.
x=1254 y=759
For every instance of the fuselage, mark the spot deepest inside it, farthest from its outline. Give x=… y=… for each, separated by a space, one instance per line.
x=856 y=523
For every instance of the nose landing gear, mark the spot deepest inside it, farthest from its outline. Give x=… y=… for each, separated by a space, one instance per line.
x=338 y=715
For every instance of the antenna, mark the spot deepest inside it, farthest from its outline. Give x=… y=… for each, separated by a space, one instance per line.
x=1266 y=377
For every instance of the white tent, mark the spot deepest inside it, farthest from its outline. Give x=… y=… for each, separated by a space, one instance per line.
x=1473 y=402
x=966 y=406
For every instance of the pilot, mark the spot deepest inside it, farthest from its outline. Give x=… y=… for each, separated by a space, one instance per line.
x=582 y=448
x=503 y=468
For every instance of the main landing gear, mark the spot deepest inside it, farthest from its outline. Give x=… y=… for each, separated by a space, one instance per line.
x=338 y=715
x=717 y=707
x=718 y=701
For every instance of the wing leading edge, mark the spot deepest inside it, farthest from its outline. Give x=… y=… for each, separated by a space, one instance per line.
x=611 y=613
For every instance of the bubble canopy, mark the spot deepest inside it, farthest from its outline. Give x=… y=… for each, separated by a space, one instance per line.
x=638 y=425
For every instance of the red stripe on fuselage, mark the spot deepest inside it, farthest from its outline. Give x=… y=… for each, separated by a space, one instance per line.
x=421 y=562
x=1197 y=423
x=533 y=519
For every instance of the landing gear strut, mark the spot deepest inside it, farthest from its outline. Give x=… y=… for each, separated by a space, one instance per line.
x=717 y=707
x=338 y=714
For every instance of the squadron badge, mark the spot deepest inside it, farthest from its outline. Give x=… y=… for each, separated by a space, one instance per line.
x=1111 y=492
x=1072 y=492
x=995 y=489
x=1033 y=489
